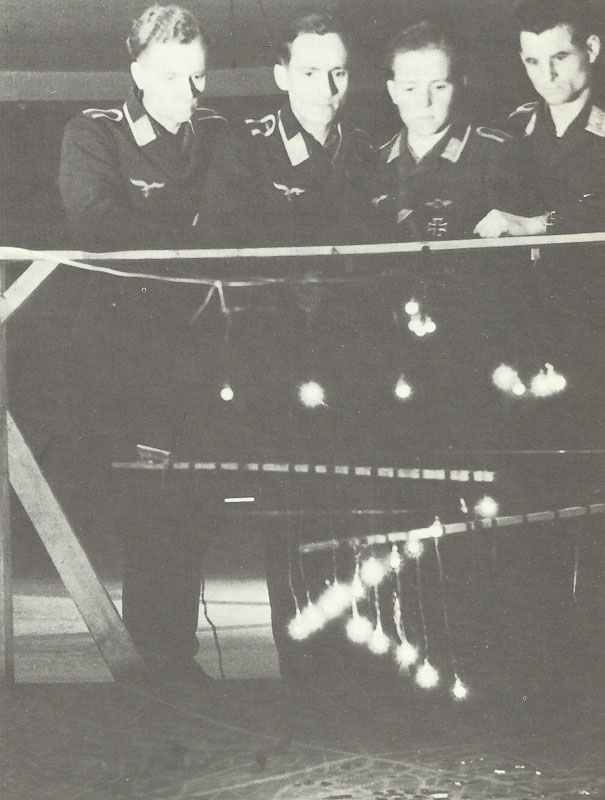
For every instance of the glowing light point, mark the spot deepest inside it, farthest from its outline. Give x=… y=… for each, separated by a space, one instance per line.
x=505 y=377
x=395 y=560
x=547 y=382
x=334 y=600
x=403 y=390
x=436 y=528
x=379 y=643
x=429 y=325
x=359 y=629
x=406 y=654
x=297 y=628
x=519 y=389
x=227 y=394
x=412 y=308
x=487 y=507
x=313 y=617
x=427 y=676
x=459 y=690
x=414 y=548
x=311 y=394
x=372 y=571
x=416 y=326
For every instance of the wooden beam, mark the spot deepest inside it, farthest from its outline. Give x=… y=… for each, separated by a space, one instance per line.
x=70 y=559
x=24 y=286
x=342 y=249
x=7 y=659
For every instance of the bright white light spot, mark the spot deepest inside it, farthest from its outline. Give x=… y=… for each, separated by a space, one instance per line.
x=459 y=690
x=313 y=617
x=372 y=571
x=427 y=676
x=227 y=393
x=311 y=394
x=406 y=654
x=334 y=600
x=486 y=507
x=297 y=627
x=412 y=307
x=395 y=559
x=505 y=377
x=429 y=325
x=547 y=382
x=358 y=590
x=359 y=629
x=403 y=390
x=519 y=389
x=414 y=548
x=379 y=643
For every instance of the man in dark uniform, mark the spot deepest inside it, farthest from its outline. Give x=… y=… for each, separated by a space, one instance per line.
x=562 y=135
x=441 y=173
x=130 y=178
x=298 y=175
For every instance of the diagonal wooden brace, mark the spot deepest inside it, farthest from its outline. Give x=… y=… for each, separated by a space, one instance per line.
x=70 y=559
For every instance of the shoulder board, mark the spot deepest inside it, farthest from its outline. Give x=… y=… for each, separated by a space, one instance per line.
x=202 y=114
x=596 y=122
x=263 y=126
x=389 y=142
x=494 y=133
x=525 y=109
x=113 y=114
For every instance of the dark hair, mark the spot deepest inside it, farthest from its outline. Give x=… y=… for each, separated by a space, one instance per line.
x=537 y=16
x=422 y=35
x=309 y=23
x=163 y=23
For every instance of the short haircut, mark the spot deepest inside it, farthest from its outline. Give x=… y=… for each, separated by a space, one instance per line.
x=537 y=16
x=309 y=23
x=163 y=23
x=426 y=34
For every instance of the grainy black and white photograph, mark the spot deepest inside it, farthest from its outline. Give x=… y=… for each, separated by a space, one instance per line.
x=302 y=432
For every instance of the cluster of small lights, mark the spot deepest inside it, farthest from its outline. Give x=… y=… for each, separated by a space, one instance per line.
x=419 y=323
x=546 y=383
x=339 y=597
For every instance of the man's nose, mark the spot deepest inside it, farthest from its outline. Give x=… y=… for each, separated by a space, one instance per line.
x=551 y=71
x=328 y=86
x=425 y=98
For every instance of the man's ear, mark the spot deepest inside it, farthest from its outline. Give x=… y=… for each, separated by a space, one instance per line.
x=280 y=75
x=593 y=47
x=136 y=72
x=392 y=89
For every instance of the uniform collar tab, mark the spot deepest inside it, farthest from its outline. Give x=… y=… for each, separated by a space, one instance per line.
x=455 y=145
x=139 y=121
x=292 y=136
x=393 y=147
x=596 y=121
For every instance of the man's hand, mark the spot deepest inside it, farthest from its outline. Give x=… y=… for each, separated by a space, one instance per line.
x=500 y=223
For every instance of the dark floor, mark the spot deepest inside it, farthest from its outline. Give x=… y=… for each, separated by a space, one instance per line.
x=110 y=741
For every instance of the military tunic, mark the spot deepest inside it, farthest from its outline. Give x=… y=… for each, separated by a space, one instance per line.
x=127 y=183
x=563 y=174
x=273 y=183
x=447 y=192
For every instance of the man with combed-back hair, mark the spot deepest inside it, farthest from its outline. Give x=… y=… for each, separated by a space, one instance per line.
x=131 y=178
x=297 y=175
x=562 y=134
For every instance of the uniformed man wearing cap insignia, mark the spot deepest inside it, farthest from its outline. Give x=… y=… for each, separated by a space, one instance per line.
x=441 y=172
x=562 y=134
x=299 y=174
x=131 y=178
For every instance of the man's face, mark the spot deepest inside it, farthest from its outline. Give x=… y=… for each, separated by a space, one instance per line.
x=316 y=78
x=559 y=67
x=423 y=90
x=171 y=75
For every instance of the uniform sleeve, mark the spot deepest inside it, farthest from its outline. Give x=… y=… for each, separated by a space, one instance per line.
x=94 y=195
x=230 y=196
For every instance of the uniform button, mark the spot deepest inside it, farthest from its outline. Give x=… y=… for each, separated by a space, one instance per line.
x=144 y=289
